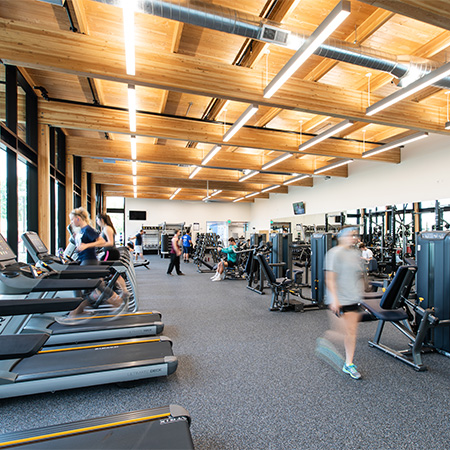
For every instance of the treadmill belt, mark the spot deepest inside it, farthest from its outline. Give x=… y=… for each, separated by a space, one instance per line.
x=124 y=321
x=92 y=358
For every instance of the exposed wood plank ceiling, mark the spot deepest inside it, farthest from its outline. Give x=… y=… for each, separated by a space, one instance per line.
x=193 y=83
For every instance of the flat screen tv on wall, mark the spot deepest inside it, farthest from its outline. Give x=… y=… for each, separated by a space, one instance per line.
x=138 y=215
x=299 y=208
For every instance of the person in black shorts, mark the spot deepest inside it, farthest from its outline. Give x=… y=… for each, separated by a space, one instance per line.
x=138 y=250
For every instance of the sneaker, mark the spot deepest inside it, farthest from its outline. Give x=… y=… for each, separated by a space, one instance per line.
x=328 y=353
x=181 y=273
x=214 y=276
x=352 y=371
x=219 y=278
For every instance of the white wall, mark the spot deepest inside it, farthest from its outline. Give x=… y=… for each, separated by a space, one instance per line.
x=422 y=175
x=176 y=211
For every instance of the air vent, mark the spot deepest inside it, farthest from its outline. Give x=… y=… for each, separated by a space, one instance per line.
x=274 y=35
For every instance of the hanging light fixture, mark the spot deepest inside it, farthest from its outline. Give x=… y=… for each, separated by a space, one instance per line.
x=326 y=134
x=394 y=144
x=333 y=166
x=277 y=161
x=240 y=122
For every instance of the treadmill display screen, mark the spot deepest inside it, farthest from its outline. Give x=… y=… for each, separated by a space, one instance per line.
x=6 y=254
x=35 y=241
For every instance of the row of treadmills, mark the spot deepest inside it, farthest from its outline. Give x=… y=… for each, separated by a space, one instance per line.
x=39 y=354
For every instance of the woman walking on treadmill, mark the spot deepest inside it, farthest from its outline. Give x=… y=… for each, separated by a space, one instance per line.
x=86 y=240
x=110 y=251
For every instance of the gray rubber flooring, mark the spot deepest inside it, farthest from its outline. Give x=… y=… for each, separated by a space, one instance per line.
x=250 y=378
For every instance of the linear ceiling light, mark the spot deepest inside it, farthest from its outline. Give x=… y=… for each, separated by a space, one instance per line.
x=394 y=144
x=333 y=20
x=238 y=199
x=135 y=191
x=132 y=106
x=240 y=122
x=252 y=194
x=252 y=173
x=216 y=193
x=414 y=87
x=333 y=166
x=213 y=152
x=297 y=178
x=133 y=147
x=270 y=188
x=175 y=193
x=326 y=134
x=133 y=167
x=195 y=172
x=277 y=161
x=134 y=180
x=128 y=29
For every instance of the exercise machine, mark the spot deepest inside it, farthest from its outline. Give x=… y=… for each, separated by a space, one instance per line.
x=163 y=428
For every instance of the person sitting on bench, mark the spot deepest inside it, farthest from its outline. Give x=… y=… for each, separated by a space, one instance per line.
x=230 y=262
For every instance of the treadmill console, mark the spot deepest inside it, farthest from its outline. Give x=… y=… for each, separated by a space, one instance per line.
x=36 y=242
x=7 y=256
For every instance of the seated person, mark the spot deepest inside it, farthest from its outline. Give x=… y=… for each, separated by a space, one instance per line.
x=366 y=253
x=230 y=262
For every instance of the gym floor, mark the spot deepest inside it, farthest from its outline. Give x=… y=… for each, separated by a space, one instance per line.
x=250 y=378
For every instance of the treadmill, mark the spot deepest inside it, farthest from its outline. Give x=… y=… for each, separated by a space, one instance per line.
x=33 y=369
x=19 y=278
x=164 y=428
x=42 y=257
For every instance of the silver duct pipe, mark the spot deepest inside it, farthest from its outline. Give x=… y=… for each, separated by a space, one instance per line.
x=227 y=20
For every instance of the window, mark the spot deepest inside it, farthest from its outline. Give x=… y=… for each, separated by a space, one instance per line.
x=22 y=207
x=2 y=94
x=3 y=215
x=21 y=114
x=115 y=202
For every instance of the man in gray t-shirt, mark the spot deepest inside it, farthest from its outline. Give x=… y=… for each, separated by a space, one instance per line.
x=343 y=279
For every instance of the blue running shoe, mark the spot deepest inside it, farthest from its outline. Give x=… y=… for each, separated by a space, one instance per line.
x=352 y=371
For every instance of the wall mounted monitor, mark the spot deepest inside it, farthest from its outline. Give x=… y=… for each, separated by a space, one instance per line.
x=299 y=208
x=138 y=215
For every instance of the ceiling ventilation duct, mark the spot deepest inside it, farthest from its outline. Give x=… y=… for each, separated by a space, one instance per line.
x=227 y=20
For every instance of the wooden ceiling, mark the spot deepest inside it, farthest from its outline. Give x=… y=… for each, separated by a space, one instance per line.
x=192 y=83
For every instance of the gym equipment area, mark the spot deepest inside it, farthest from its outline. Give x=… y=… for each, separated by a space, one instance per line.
x=224 y=225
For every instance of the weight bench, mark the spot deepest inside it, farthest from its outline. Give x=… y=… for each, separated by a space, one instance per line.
x=395 y=308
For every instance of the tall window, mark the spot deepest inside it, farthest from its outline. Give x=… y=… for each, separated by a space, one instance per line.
x=2 y=94
x=115 y=208
x=3 y=215
x=22 y=206
x=21 y=114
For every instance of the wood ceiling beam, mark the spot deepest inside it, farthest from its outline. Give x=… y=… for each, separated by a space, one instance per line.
x=434 y=12
x=171 y=171
x=149 y=183
x=151 y=153
x=85 y=117
x=26 y=45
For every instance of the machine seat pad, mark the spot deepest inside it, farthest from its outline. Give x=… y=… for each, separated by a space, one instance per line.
x=372 y=295
x=389 y=315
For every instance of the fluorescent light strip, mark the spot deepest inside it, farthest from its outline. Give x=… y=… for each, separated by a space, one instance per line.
x=414 y=87
x=175 y=193
x=216 y=193
x=238 y=199
x=326 y=134
x=128 y=29
x=332 y=21
x=213 y=152
x=134 y=180
x=333 y=166
x=133 y=147
x=133 y=167
x=252 y=195
x=398 y=143
x=297 y=178
x=135 y=191
x=132 y=106
x=271 y=188
x=195 y=172
x=277 y=161
x=240 y=122
x=249 y=175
